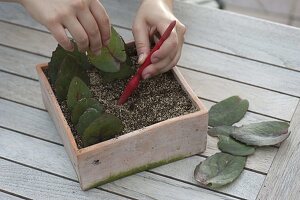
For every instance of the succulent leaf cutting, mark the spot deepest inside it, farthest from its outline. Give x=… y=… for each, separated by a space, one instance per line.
x=68 y=75
x=236 y=142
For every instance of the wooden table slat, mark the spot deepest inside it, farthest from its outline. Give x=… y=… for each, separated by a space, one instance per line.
x=53 y=158
x=261 y=101
x=5 y=196
x=283 y=180
x=40 y=185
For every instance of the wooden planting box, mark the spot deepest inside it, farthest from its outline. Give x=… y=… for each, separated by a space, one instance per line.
x=149 y=147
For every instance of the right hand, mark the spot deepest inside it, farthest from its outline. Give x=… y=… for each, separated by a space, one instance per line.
x=86 y=20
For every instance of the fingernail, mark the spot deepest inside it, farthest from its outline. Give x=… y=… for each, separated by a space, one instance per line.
x=146 y=76
x=106 y=43
x=141 y=58
x=155 y=60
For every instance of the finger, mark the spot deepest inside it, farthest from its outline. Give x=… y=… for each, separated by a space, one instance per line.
x=157 y=68
x=168 y=49
x=91 y=28
x=141 y=37
x=171 y=64
x=102 y=19
x=78 y=33
x=60 y=35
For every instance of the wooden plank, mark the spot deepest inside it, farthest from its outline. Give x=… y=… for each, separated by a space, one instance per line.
x=5 y=196
x=21 y=90
x=296 y=12
x=283 y=19
x=244 y=189
x=240 y=35
x=282 y=181
x=36 y=41
x=30 y=121
x=282 y=7
x=40 y=185
x=10 y=61
x=38 y=124
x=261 y=100
x=52 y=158
x=157 y=187
x=205 y=3
x=250 y=72
x=234 y=68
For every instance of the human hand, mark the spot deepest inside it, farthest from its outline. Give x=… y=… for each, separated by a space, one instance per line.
x=156 y=16
x=86 y=20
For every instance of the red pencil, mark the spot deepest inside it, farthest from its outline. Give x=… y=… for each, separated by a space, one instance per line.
x=134 y=82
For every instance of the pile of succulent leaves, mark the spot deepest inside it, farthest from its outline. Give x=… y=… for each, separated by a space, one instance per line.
x=235 y=143
x=68 y=74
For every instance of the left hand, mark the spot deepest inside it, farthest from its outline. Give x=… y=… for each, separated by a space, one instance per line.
x=156 y=16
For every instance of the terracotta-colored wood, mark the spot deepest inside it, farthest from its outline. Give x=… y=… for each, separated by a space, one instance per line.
x=133 y=152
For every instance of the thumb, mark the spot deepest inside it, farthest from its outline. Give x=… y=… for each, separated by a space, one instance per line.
x=141 y=36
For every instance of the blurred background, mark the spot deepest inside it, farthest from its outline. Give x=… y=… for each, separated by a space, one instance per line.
x=281 y=11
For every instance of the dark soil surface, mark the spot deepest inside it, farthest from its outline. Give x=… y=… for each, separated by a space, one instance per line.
x=156 y=99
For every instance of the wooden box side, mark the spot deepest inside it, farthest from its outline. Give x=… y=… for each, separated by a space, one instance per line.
x=57 y=116
x=146 y=148
x=142 y=149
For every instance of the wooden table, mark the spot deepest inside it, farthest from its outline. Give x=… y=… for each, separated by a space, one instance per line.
x=224 y=54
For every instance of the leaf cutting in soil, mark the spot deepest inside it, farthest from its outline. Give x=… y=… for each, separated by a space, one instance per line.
x=219 y=170
x=82 y=105
x=105 y=127
x=111 y=55
x=77 y=90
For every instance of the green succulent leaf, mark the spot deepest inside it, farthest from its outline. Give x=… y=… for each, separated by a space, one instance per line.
x=219 y=170
x=80 y=57
x=86 y=119
x=221 y=130
x=105 y=127
x=82 y=105
x=68 y=69
x=58 y=56
x=228 y=111
x=262 y=134
x=111 y=56
x=56 y=59
x=77 y=90
x=228 y=145
x=105 y=62
x=125 y=72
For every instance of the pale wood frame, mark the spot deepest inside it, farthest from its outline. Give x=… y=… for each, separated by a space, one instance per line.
x=133 y=152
